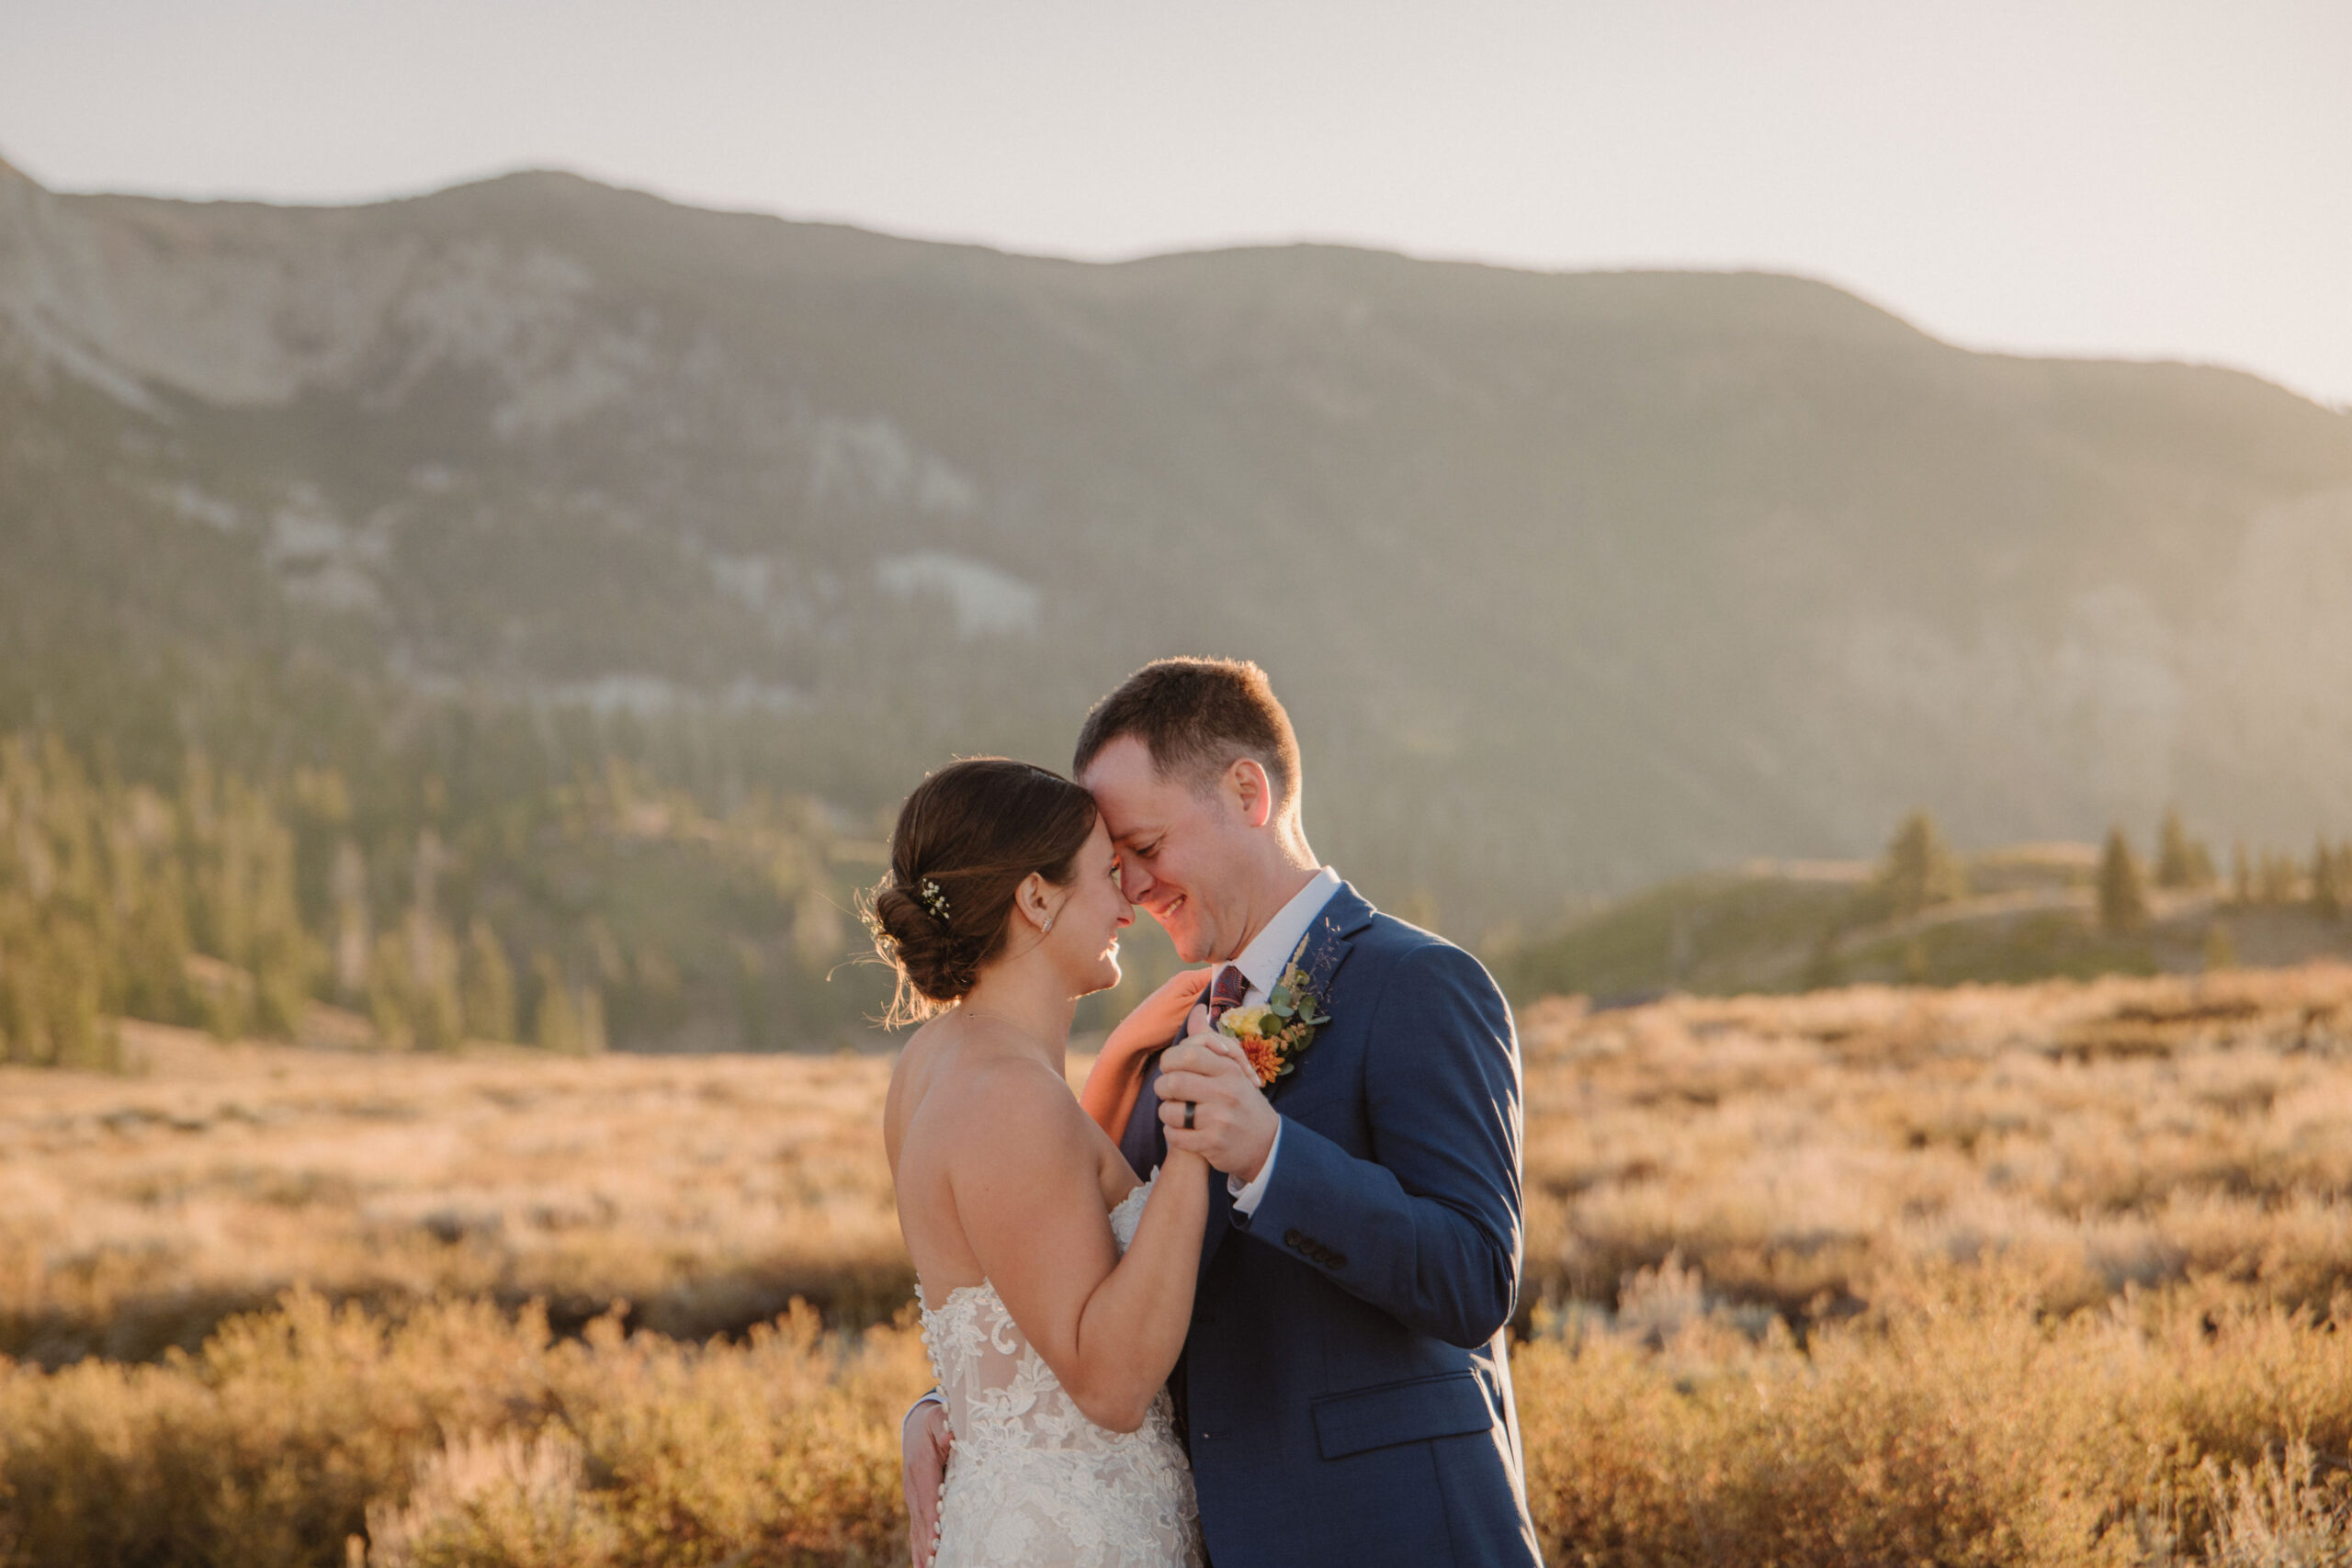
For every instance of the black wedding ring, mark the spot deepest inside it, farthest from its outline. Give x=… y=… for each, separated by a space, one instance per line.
x=1190 y=1106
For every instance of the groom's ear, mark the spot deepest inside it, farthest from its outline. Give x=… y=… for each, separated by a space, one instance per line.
x=1250 y=791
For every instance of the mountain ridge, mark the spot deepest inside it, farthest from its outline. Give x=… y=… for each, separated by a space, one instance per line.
x=1573 y=580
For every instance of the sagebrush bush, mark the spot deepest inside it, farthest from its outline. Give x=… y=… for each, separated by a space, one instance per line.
x=463 y=1434
x=2057 y=1275
x=1955 y=1422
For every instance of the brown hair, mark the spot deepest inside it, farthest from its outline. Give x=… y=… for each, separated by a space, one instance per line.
x=965 y=840
x=1196 y=717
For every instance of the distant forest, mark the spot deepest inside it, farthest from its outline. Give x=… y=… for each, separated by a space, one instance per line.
x=504 y=898
x=472 y=876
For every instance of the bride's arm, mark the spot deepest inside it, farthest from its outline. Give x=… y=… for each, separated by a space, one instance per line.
x=1031 y=1203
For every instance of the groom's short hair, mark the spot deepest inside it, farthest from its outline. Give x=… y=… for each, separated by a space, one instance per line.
x=1196 y=717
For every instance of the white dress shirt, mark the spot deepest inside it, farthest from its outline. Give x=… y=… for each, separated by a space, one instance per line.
x=1262 y=962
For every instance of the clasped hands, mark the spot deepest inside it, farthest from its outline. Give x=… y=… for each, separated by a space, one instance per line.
x=1233 y=1123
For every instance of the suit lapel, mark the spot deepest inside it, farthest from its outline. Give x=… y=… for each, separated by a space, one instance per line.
x=1329 y=942
x=1325 y=948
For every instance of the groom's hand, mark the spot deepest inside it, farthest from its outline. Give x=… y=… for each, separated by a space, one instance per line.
x=924 y=1444
x=1233 y=1123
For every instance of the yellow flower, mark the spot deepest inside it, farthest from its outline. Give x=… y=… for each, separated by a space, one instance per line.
x=1244 y=1023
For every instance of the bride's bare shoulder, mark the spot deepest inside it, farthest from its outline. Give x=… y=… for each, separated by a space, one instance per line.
x=1004 y=1108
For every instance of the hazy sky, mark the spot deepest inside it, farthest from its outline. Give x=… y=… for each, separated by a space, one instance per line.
x=2136 y=177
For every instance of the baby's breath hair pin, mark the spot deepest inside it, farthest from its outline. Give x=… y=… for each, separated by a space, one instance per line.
x=880 y=933
x=935 y=900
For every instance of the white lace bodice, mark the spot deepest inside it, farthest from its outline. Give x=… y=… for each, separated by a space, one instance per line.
x=1030 y=1480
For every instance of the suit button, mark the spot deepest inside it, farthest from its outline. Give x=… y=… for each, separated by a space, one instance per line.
x=1336 y=1259
x=1292 y=1239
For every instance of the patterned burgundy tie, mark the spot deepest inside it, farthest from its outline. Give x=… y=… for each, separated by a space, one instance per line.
x=1225 y=993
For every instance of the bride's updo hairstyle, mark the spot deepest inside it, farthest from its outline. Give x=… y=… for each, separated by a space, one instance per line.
x=965 y=840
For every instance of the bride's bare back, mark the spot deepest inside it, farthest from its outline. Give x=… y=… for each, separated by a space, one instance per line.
x=961 y=1098
x=1003 y=1178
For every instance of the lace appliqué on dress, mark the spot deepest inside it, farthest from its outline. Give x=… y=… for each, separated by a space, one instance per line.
x=1030 y=1480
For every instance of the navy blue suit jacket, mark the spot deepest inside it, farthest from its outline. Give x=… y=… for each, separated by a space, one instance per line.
x=1347 y=1394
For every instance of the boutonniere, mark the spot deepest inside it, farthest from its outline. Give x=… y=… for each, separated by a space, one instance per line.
x=1277 y=1032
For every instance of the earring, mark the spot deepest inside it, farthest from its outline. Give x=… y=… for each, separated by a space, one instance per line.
x=1049 y=924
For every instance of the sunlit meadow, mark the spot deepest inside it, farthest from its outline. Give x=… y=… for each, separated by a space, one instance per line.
x=2044 y=1275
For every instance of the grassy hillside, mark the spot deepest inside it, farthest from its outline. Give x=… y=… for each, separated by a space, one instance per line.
x=2023 y=913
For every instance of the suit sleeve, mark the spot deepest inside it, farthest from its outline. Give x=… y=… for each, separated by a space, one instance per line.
x=1429 y=1229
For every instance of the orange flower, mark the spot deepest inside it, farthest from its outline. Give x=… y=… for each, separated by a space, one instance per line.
x=1265 y=1060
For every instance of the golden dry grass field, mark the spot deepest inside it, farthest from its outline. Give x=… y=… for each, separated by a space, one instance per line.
x=2039 y=1275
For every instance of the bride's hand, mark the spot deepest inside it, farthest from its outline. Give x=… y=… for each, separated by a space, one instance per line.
x=1157 y=1018
x=1210 y=1105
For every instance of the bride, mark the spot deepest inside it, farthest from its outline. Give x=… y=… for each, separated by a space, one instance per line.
x=1055 y=1290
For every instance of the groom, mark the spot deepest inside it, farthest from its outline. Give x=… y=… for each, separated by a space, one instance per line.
x=1344 y=1388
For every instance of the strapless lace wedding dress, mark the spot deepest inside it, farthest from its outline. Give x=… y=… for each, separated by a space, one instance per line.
x=1032 y=1483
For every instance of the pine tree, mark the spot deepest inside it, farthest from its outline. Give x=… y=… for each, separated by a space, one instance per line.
x=284 y=960
x=2241 y=875
x=592 y=1021
x=2181 y=861
x=486 y=985
x=2327 y=892
x=555 y=1025
x=79 y=1035
x=2122 y=893
x=156 y=948
x=387 y=992
x=437 y=1017
x=1919 y=868
x=351 y=933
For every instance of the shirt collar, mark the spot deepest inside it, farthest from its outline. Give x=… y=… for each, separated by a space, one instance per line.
x=1261 y=962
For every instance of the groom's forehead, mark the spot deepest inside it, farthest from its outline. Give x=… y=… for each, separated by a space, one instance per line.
x=1134 y=822
x=1129 y=826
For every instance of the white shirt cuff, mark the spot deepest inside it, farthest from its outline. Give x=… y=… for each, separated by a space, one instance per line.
x=930 y=1398
x=1245 y=1199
